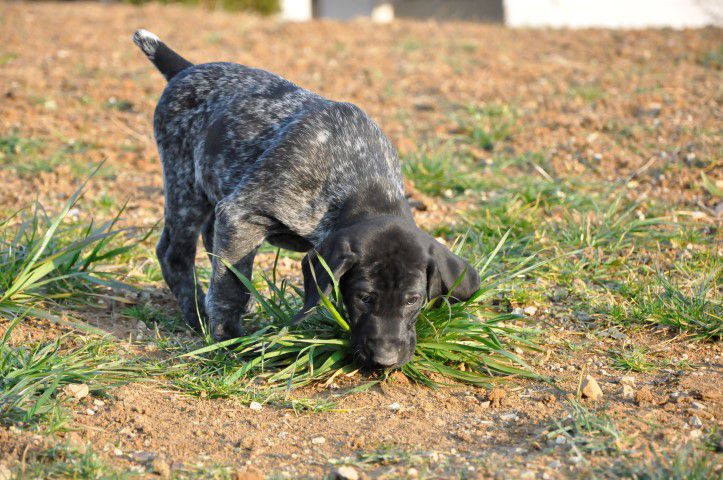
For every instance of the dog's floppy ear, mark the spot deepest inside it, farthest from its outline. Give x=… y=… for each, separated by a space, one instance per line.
x=444 y=270
x=337 y=252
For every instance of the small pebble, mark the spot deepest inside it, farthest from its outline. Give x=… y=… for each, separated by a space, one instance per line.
x=509 y=416
x=161 y=467
x=255 y=406
x=644 y=395
x=590 y=388
x=496 y=396
x=346 y=473
x=560 y=440
x=412 y=472
x=695 y=422
x=76 y=391
x=318 y=440
x=394 y=407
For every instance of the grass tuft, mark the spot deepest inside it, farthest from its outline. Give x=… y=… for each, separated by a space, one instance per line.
x=695 y=309
x=465 y=342
x=486 y=126
x=588 y=431
x=41 y=259
x=31 y=376
x=438 y=172
x=633 y=360
x=65 y=461
x=685 y=464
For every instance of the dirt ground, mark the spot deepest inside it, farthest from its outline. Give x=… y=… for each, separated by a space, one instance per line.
x=71 y=78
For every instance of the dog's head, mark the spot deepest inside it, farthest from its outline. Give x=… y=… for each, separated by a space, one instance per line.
x=386 y=272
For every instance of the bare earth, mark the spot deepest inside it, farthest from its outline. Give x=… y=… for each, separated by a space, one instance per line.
x=71 y=76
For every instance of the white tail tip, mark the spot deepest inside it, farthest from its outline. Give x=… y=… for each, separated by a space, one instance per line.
x=146 y=41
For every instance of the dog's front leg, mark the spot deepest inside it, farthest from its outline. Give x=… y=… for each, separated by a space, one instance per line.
x=237 y=236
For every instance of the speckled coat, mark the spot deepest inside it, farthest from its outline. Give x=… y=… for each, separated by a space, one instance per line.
x=249 y=156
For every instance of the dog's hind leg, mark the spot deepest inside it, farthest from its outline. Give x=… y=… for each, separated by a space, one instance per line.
x=185 y=212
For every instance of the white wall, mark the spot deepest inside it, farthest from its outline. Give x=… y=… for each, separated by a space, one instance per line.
x=296 y=10
x=614 y=13
x=545 y=13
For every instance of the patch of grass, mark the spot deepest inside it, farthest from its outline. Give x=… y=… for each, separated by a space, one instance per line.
x=14 y=146
x=695 y=309
x=411 y=45
x=42 y=260
x=486 y=126
x=713 y=58
x=64 y=461
x=389 y=454
x=439 y=172
x=7 y=57
x=684 y=464
x=588 y=93
x=27 y=157
x=466 y=342
x=143 y=267
x=633 y=360
x=32 y=375
x=263 y=7
x=614 y=226
x=21 y=154
x=713 y=189
x=215 y=377
x=154 y=318
x=588 y=431
x=105 y=203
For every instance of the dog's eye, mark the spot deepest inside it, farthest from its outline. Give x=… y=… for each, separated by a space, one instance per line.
x=366 y=297
x=413 y=299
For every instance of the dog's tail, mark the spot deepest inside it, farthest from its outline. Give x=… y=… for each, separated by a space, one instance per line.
x=166 y=60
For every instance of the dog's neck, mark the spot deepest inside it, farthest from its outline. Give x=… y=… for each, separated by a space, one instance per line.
x=371 y=203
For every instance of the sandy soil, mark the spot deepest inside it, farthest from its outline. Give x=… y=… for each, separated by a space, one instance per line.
x=650 y=112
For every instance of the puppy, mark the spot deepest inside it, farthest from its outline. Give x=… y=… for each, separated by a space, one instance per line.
x=250 y=157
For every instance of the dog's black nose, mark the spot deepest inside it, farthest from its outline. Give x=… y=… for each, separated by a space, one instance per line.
x=383 y=353
x=384 y=359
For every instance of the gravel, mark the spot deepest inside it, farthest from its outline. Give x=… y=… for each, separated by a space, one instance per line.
x=695 y=422
x=644 y=396
x=590 y=388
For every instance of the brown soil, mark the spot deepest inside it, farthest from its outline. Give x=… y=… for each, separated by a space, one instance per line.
x=74 y=77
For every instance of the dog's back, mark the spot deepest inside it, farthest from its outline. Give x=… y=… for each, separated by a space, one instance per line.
x=216 y=121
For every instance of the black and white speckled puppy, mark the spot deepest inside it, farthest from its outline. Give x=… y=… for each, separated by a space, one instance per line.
x=250 y=157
